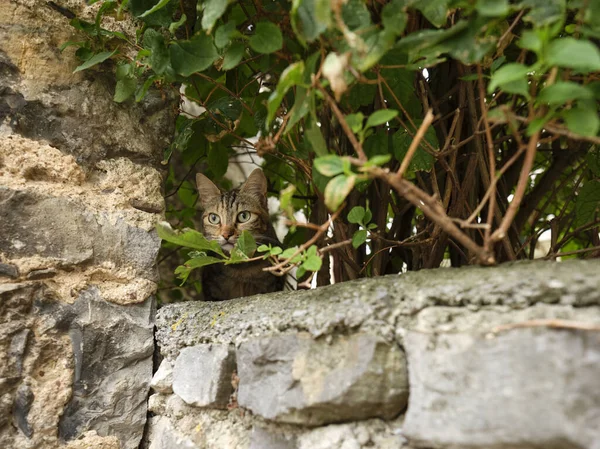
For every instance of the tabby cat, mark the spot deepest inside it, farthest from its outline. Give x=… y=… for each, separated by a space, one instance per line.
x=225 y=215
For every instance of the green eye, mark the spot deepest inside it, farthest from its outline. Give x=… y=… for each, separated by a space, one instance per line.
x=244 y=216
x=214 y=219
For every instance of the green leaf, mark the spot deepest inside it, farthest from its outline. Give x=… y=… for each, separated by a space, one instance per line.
x=188 y=238
x=213 y=10
x=291 y=76
x=202 y=261
x=378 y=159
x=246 y=244
x=195 y=55
x=124 y=89
x=359 y=238
x=582 y=120
x=355 y=121
x=587 y=204
x=531 y=40
x=337 y=190
x=218 y=159
x=313 y=133
x=176 y=25
x=313 y=262
x=593 y=160
x=330 y=165
x=356 y=215
x=380 y=117
x=543 y=12
x=233 y=56
x=422 y=160
x=394 y=17
x=575 y=54
x=96 y=59
x=159 y=56
x=161 y=4
x=434 y=10
x=224 y=34
x=507 y=74
x=309 y=18
x=267 y=38
x=564 y=91
x=518 y=87
x=493 y=8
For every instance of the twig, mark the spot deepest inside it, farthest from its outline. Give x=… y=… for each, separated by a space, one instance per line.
x=351 y=137
x=415 y=143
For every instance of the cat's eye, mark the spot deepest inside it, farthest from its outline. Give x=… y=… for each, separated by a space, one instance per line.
x=214 y=219
x=244 y=216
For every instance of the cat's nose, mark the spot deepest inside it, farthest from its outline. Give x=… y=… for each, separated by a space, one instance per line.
x=226 y=233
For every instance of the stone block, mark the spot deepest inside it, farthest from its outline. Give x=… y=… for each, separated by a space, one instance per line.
x=202 y=375
x=163 y=435
x=64 y=230
x=526 y=388
x=162 y=381
x=261 y=438
x=296 y=379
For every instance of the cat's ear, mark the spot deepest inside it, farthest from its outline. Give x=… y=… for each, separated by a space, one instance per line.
x=255 y=184
x=207 y=190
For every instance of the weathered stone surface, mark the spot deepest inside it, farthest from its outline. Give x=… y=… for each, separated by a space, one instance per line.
x=295 y=379
x=524 y=388
x=162 y=381
x=41 y=97
x=9 y=270
x=164 y=436
x=202 y=375
x=64 y=229
x=383 y=305
x=263 y=439
x=66 y=369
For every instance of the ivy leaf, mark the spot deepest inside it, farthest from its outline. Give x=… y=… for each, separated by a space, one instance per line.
x=359 y=238
x=159 y=56
x=507 y=74
x=356 y=215
x=161 y=4
x=315 y=137
x=124 y=89
x=224 y=34
x=267 y=38
x=582 y=120
x=309 y=18
x=421 y=161
x=188 y=238
x=246 y=244
x=378 y=159
x=312 y=262
x=233 y=56
x=330 y=165
x=380 y=117
x=493 y=8
x=96 y=59
x=355 y=121
x=394 y=17
x=564 y=91
x=213 y=10
x=543 y=12
x=337 y=190
x=575 y=54
x=291 y=76
x=202 y=260
x=195 y=55
x=587 y=204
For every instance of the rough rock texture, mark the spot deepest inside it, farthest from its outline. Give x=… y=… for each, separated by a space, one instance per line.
x=293 y=378
x=78 y=201
x=162 y=381
x=523 y=388
x=498 y=358
x=202 y=375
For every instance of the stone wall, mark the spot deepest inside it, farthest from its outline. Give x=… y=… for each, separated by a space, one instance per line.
x=503 y=358
x=78 y=201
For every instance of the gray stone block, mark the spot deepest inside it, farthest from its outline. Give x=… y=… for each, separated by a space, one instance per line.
x=202 y=375
x=527 y=388
x=164 y=436
x=162 y=381
x=296 y=379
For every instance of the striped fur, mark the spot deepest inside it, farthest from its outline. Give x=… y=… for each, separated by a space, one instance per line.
x=223 y=220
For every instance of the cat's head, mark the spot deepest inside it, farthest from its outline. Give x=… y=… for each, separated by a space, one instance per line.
x=226 y=214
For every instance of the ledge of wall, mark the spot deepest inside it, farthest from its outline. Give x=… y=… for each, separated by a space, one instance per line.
x=432 y=359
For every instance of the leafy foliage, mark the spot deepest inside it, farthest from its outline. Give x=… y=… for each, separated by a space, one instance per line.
x=339 y=94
